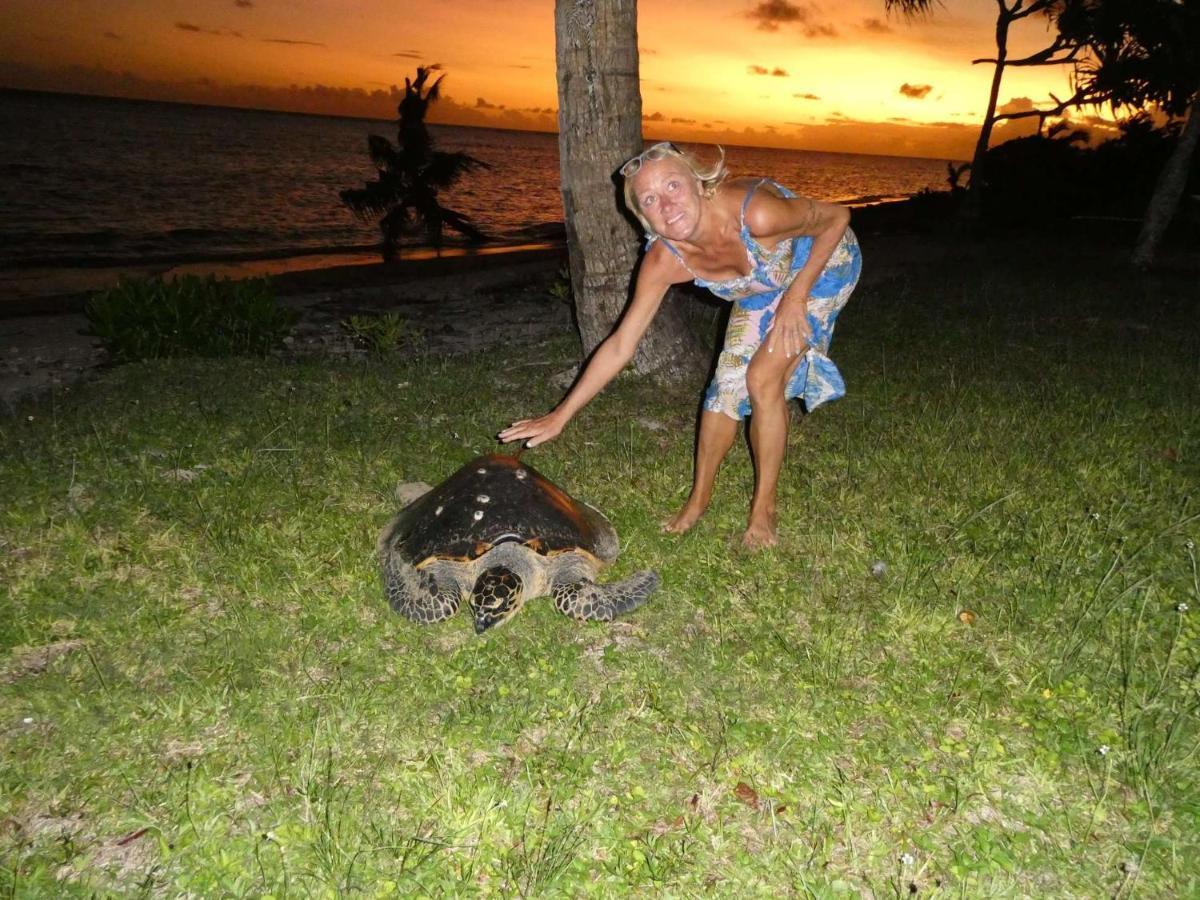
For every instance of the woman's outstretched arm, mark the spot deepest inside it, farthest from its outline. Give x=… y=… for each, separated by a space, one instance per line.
x=658 y=271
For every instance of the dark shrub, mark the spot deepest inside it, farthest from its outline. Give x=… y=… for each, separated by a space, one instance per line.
x=189 y=316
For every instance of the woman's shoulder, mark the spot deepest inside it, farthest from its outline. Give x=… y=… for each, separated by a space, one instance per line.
x=745 y=188
x=661 y=263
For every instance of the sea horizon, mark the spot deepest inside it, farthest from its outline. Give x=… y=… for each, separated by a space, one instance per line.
x=435 y=124
x=153 y=187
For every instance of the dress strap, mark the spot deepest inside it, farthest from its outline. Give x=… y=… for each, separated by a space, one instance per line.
x=678 y=255
x=783 y=192
x=746 y=202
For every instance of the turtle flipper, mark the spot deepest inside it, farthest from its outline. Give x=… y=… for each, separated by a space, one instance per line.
x=498 y=593
x=602 y=602
x=416 y=594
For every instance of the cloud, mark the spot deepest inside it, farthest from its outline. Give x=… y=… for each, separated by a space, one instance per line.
x=291 y=41
x=758 y=70
x=915 y=91
x=243 y=4
x=196 y=29
x=480 y=103
x=409 y=54
x=876 y=26
x=654 y=117
x=678 y=121
x=1017 y=104
x=806 y=96
x=517 y=66
x=779 y=73
x=770 y=14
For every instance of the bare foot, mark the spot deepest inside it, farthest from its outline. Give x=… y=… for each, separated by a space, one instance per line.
x=684 y=519
x=760 y=534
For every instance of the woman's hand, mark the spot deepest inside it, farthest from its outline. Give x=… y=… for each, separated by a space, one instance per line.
x=790 y=332
x=534 y=431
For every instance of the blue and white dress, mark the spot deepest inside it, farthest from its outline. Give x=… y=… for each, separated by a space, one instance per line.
x=755 y=298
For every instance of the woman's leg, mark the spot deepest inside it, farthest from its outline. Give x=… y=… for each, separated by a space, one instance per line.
x=717 y=434
x=766 y=381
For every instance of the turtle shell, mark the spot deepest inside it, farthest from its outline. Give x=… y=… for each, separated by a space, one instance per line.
x=491 y=500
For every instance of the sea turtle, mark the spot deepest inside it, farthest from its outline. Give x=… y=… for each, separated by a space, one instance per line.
x=497 y=533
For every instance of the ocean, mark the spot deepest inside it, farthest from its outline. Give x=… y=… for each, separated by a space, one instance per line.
x=101 y=184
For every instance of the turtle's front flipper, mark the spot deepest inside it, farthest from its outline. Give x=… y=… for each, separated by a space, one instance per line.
x=416 y=594
x=588 y=600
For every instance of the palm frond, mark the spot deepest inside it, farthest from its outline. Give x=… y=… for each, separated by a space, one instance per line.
x=382 y=153
x=444 y=169
x=911 y=9
x=370 y=201
x=463 y=225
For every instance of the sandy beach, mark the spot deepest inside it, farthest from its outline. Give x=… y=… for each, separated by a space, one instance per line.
x=461 y=302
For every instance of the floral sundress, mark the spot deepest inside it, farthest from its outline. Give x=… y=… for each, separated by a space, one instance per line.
x=755 y=297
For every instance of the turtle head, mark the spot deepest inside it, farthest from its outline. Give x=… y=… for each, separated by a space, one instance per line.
x=496 y=597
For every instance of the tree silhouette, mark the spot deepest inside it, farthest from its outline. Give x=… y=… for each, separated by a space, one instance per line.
x=1142 y=53
x=405 y=193
x=1062 y=49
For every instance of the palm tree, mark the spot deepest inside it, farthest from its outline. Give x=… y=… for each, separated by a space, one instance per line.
x=405 y=193
x=1060 y=51
x=1146 y=52
x=599 y=127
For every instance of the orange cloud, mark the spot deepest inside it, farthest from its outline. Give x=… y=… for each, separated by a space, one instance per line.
x=916 y=91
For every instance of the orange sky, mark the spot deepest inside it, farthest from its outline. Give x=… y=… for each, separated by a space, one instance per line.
x=815 y=74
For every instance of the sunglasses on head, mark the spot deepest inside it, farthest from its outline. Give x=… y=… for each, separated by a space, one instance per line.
x=658 y=151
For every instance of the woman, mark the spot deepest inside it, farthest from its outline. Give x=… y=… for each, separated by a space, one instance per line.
x=787 y=263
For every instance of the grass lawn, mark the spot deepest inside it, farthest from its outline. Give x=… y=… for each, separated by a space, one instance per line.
x=969 y=669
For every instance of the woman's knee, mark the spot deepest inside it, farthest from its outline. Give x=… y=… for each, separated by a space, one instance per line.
x=765 y=382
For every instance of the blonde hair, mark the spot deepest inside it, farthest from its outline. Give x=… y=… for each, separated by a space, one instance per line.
x=710 y=177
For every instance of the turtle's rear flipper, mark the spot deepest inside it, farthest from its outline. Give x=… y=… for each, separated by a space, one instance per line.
x=601 y=602
x=416 y=594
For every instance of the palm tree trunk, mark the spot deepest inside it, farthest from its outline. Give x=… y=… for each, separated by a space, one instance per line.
x=973 y=207
x=1172 y=181
x=599 y=127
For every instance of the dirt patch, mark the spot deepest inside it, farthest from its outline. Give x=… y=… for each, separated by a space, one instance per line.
x=26 y=661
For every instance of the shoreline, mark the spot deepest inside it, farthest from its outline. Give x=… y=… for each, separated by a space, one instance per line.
x=69 y=287
x=469 y=301
x=288 y=273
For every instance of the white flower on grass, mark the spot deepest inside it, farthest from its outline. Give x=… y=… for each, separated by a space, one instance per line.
x=879 y=568
x=1095 y=517
x=1190 y=545
x=28 y=720
x=907 y=859
x=29 y=418
x=1181 y=608
x=1103 y=749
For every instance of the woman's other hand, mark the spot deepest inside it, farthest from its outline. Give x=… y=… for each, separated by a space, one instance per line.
x=790 y=332
x=534 y=431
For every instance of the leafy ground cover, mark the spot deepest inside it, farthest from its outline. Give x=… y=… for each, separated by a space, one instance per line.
x=969 y=669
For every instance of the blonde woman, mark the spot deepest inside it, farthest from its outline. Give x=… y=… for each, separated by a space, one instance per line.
x=788 y=264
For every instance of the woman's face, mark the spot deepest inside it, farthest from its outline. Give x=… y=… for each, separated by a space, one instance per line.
x=669 y=197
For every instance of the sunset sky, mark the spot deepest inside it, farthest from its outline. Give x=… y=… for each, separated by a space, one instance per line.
x=814 y=74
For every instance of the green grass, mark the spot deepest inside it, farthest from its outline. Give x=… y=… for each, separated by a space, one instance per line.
x=203 y=692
